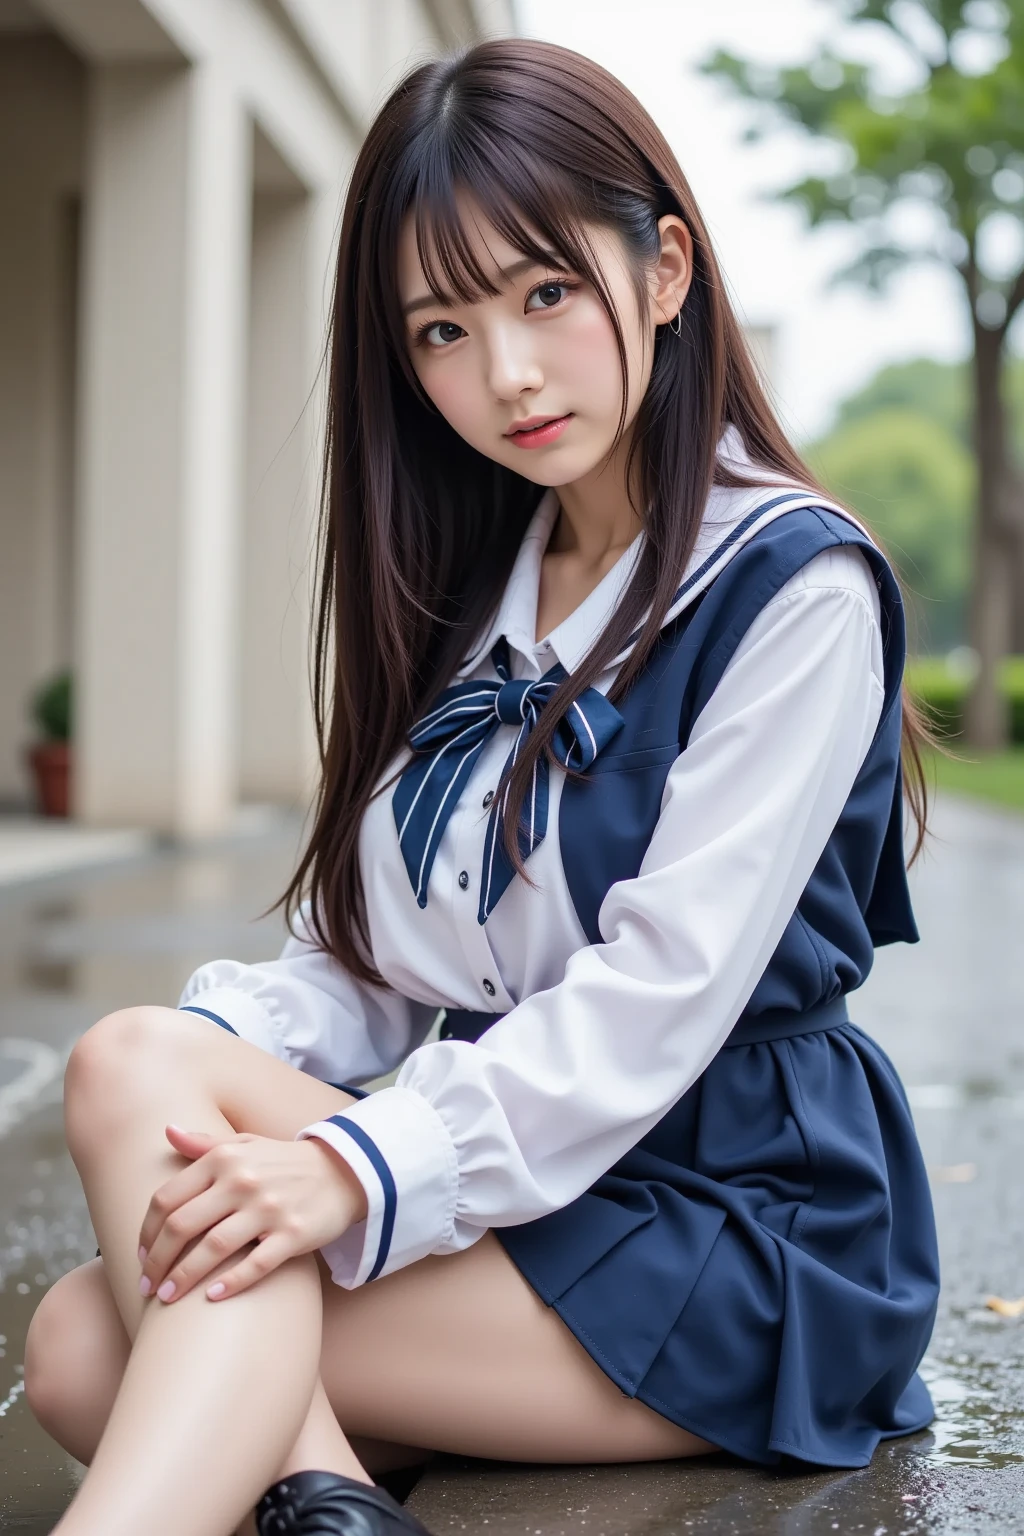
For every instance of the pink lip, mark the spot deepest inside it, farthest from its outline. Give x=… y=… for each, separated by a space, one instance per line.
x=536 y=431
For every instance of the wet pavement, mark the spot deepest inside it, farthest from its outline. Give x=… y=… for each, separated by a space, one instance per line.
x=950 y=1012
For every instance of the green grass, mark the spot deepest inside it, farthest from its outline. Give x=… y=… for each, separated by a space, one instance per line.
x=997 y=777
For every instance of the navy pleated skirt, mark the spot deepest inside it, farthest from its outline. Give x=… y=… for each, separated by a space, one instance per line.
x=762 y=1267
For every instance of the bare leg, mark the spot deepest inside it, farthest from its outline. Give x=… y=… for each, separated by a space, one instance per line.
x=190 y=1443
x=76 y=1353
x=456 y=1353
x=460 y=1353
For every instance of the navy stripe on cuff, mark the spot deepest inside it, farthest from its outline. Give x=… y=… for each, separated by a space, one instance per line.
x=188 y=1008
x=357 y=1093
x=387 y=1183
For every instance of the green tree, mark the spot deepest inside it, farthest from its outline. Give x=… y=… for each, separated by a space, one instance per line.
x=953 y=141
x=939 y=391
x=912 y=481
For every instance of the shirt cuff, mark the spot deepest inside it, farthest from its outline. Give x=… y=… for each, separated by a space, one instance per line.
x=236 y=1011
x=399 y=1149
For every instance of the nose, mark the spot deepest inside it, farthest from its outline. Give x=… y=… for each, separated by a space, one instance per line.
x=512 y=366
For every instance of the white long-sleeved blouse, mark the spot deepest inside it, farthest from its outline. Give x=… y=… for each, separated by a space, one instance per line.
x=599 y=1040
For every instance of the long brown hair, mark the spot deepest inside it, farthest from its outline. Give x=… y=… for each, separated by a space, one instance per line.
x=418 y=531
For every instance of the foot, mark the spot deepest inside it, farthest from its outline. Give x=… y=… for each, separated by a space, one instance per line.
x=328 y=1504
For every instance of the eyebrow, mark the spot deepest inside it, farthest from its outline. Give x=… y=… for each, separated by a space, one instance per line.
x=508 y=273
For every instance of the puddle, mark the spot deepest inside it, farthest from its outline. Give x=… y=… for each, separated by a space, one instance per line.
x=27 y=1070
x=972 y=1427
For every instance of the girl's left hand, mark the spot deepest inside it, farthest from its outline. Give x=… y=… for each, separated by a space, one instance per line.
x=290 y=1197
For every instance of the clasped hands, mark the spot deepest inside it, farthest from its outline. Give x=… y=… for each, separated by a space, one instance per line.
x=289 y=1197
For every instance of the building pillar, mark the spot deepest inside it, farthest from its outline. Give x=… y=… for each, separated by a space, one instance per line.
x=41 y=107
x=283 y=470
x=165 y=268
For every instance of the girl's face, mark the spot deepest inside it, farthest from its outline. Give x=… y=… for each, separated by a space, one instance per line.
x=531 y=376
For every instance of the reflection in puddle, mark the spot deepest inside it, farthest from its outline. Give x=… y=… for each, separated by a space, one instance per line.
x=40 y=975
x=970 y=1426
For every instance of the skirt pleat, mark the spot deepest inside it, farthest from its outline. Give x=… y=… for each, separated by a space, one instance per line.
x=762 y=1267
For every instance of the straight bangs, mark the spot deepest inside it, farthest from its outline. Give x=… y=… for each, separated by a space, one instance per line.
x=540 y=212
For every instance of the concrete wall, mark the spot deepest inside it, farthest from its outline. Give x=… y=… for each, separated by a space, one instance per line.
x=164 y=299
x=41 y=116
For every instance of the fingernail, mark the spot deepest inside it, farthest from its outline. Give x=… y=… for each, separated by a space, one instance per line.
x=142 y=1255
x=166 y=1291
x=216 y=1290
x=145 y=1285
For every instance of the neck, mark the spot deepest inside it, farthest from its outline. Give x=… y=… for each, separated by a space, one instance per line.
x=597 y=519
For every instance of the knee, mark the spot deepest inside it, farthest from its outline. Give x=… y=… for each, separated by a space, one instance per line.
x=63 y=1371
x=109 y=1061
x=43 y=1375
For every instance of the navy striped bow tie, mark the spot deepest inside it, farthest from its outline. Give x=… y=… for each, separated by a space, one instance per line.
x=447 y=743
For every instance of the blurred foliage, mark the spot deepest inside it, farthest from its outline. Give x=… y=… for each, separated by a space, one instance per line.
x=51 y=707
x=912 y=481
x=942 y=688
x=952 y=140
x=899 y=455
x=941 y=391
x=920 y=152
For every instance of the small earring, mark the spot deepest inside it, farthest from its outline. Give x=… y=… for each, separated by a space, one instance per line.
x=675 y=325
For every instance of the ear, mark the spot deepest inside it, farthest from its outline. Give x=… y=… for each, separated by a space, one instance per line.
x=674 y=271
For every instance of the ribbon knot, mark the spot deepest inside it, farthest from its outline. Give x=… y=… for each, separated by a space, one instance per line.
x=512 y=701
x=447 y=743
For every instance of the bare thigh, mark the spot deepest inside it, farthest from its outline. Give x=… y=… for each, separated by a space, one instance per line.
x=455 y=1354
x=460 y=1354
x=452 y=1353
x=75 y=1356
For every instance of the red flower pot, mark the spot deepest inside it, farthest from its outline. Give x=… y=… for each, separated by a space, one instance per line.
x=50 y=762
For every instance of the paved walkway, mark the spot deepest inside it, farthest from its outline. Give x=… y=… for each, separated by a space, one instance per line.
x=31 y=847
x=950 y=1012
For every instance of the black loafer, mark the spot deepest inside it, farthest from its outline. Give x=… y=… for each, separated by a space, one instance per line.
x=327 y=1504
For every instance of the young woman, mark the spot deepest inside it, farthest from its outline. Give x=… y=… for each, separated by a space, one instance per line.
x=608 y=694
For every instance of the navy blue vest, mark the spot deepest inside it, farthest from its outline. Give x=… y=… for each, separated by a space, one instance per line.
x=857 y=897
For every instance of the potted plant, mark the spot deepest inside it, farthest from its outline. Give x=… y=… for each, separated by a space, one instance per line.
x=50 y=758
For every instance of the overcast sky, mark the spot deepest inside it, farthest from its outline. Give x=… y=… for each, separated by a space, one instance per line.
x=829 y=342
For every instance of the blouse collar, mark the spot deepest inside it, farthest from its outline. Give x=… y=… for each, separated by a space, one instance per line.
x=570 y=641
